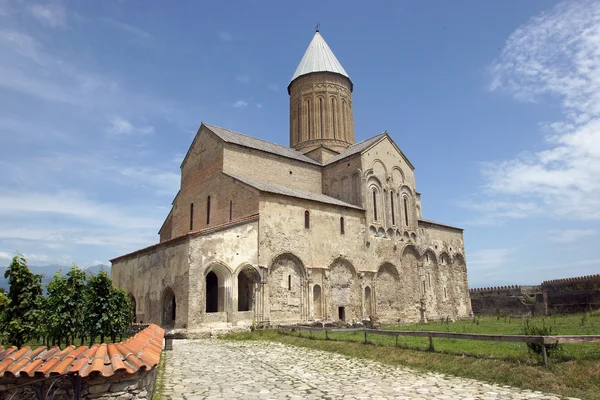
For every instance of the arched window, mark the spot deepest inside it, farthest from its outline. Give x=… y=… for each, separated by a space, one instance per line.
x=333 y=121
x=230 y=209
x=406 y=211
x=308 y=117
x=392 y=206
x=343 y=125
x=306 y=219
x=321 y=115
x=342 y=227
x=299 y=138
x=289 y=282
x=208 y=210
x=374 y=191
x=192 y=217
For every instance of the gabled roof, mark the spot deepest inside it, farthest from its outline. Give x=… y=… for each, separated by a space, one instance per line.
x=254 y=143
x=286 y=191
x=319 y=58
x=356 y=148
x=365 y=145
x=138 y=353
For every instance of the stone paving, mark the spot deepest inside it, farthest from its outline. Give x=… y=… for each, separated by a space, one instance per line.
x=218 y=369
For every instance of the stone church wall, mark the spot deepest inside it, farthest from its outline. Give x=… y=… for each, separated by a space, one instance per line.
x=342 y=180
x=258 y=165
x=147 y=273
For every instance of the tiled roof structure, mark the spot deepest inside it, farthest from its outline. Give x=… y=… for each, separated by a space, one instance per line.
x=286 y=191
x=138 y=353
x=258 y=144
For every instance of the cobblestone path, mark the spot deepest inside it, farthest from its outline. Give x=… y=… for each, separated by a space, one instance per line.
x=218 y=369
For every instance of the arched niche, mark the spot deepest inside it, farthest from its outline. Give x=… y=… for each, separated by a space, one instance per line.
x=169 y=308
x=287 y=286
x=248 y=280
x=217 y=288
x=387 y=289
x=345 y=292
x=133 y=306
x=317 y=302
x=368 y=302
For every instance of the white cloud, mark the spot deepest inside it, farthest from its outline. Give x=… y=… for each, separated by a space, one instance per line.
x=554 y=56
x=490 y=258
x=273 y=86
x=6 y=256
x=572 y=235
x=225 y=36
x=133 y=30
x=52 y=15
x=121 y=126
x=244 y=78
x=240 y=104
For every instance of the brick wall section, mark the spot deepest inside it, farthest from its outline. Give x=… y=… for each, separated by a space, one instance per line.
x=201 y=176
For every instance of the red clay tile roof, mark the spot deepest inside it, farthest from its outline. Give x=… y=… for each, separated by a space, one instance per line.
x=139 y=352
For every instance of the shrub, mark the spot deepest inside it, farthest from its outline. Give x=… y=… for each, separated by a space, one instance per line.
x=533 y=330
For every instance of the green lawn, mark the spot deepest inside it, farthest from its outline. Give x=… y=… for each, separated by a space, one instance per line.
x=575 y=371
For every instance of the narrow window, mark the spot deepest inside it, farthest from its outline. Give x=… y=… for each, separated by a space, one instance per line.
x=333 y=116
x=342 y=228
x=445 y=294
x=230 y=209
x=321 y=115
x=406 y=211
x=308 y=116
x=424 y=290
x=393 y=212
x=299 y=123
x=306 y=219
x=374 y=205
x=429 y=279
x=208 y=210
x=289 y=282
x=192 y=217
x=343 y=126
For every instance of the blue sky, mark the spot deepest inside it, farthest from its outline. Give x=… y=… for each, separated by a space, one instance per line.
x=497 y=104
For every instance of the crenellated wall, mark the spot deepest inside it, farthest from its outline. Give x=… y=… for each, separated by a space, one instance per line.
x=564 y=296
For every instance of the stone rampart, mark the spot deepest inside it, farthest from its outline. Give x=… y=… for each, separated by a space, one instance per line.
x=512 y=300
x=572 y=295
x=563 y=296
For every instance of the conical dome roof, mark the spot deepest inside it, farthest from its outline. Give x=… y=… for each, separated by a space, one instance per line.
x=319 y=58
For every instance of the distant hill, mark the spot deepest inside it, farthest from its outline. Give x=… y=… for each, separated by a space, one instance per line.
x=49 y=270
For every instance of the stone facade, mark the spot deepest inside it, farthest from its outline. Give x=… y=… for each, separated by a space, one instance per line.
x=261 y=233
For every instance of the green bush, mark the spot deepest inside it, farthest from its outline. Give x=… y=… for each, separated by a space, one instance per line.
x=533 y=330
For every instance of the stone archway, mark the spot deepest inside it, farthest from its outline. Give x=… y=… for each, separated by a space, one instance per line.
x=288 y=290
x=169 y=308
x=248 y=280
x=133 y=306
x=317 y=302
x=217 y=289
x=367 y=300
x=386 y=293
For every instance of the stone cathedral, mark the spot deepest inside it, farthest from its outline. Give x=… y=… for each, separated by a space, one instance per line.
x=325 y=229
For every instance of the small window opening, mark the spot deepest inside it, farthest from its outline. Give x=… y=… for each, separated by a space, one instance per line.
x=306 y=220
x=289 y=282
x=333 y=117
x=342 y=228
x=230 y=209
x=342 y=313
x=192 y=217
x=429 y=279
x=393 y=213
x=406 y=211
x=290 y=172
x=321 y=114
x=374 y=205
x=308 y=116
x=208 y=210
x=445 y=294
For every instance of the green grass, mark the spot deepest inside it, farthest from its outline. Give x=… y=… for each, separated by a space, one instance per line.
x=159 y=383
x=574 y=372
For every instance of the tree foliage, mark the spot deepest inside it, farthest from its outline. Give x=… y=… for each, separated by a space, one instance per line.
x=76 y=306
x=20 y=319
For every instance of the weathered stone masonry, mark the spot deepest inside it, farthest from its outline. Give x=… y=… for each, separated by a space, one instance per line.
x=326 y=229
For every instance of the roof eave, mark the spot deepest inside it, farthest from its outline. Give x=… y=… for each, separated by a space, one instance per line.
x=321 y=72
